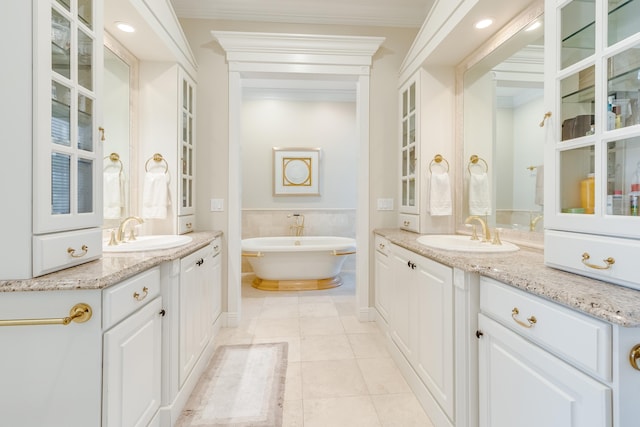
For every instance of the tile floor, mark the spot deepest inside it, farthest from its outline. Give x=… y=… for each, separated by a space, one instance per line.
x=340 y=373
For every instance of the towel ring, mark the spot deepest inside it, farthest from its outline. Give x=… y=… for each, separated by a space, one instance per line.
x=157 y=157
x=115 y=158
x=474 y=159
x=438 y=159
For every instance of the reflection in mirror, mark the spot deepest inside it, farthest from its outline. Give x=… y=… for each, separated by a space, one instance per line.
x=120 y=88
x=502 y=106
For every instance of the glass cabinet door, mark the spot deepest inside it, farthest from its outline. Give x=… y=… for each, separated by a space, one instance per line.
x=408 y=149
x=596 y=60
x=65 y=174
x=187 y=145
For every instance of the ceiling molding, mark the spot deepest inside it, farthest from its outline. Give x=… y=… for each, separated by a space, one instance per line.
x=385 y=13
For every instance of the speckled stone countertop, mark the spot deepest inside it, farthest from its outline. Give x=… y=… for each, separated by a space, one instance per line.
x=525 y=270
x=112 y=268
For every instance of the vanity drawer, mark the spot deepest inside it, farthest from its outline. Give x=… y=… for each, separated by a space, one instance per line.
x=566 y=251
x=120 y=300
x=186 y=224
x=409 y=222
x=577 y=338
x=53 y=252
x=382 y=245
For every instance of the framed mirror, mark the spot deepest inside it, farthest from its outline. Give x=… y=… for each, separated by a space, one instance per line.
x=499 y=140
x=119 y=144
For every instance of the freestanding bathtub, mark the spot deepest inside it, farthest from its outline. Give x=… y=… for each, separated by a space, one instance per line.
x=297 y=262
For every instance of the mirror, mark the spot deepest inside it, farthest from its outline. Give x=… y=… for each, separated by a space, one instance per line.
x=500 y=144
x=120 y=91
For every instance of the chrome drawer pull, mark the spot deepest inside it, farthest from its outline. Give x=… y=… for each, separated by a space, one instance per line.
x=609 y=261
x=72 y=252
x=634 y=356
x=139 y=297
x=531 y=320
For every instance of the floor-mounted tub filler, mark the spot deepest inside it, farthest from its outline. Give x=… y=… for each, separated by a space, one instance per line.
x=297 y=262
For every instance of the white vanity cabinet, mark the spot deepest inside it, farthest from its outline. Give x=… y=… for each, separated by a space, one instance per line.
x=168 y=141
x=132 y=317
x=544 y=364
x=383 y=278
x=53 y=174
x=431 y=318
x=592 y=62
x=426 y=102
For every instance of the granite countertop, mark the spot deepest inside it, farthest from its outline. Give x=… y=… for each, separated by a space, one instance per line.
x=112 y=268
x=525 y=270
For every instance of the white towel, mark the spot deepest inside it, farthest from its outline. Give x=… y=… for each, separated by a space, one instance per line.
x=155 y=195
x=539 y=197
x=440 y=195
x=112 y=194
x=479 y=200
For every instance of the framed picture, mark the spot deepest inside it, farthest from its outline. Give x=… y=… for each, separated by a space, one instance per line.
x=296 y=172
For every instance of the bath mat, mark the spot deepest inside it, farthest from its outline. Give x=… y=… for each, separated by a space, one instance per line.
x=243 y=386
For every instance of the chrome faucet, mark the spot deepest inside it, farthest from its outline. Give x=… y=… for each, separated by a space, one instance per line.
x=534 y=222
x=297 y=228
x=123 y=226
x=486 y=233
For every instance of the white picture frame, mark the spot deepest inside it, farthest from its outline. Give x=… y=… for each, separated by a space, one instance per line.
x=296 y=171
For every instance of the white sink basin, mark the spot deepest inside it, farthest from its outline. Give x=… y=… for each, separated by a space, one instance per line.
x=460 y=243
x=149 y=243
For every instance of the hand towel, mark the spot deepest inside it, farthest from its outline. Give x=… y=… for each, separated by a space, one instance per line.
x=539 y=197
x=155 y=195
x=112 y=194
x=440 y=195
x=479 y=201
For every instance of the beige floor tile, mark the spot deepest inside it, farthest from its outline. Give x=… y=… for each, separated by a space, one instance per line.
x=331 y=378
x=317 y=309
x=281 y=300
x=279 y=311
x=354 y=326
x=320 y=326
x=354 y=411
x=231 y=336
x=315 y=298
x=325 y=347
x=400 y=410
x=293 y=384
x=382 y=376
x=292 y=414
x=345 y=308
x=368 y=345
x=272 y=328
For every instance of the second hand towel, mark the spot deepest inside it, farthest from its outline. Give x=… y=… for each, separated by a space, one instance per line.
x=155 y=195
x=479 y=200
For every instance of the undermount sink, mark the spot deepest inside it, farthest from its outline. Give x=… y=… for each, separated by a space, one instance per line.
x=461 y=243
x=149 y=243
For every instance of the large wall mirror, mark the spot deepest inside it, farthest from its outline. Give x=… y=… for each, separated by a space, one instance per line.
x=500 y=143
x=119 y=118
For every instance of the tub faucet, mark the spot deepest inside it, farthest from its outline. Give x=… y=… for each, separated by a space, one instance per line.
x=534 y=222
x=123 y=226
x=486 y=233
x=297 y=228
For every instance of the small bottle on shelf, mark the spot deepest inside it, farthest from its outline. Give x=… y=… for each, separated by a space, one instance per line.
x=587 y=193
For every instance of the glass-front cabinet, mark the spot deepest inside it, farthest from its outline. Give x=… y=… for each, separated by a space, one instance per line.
x=67 y=153
x=593 y=136
x=408 y=148
x=187 y=144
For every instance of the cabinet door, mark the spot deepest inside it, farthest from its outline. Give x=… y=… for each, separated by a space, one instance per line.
x=67 y=113
x=132 y=368
x=522 y=385
x=434 y=323
x=409 y=139
x=216 y=286
x=383 y=283
x=187 y=128
x=403 y=305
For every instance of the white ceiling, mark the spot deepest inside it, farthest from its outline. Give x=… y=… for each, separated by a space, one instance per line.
x=393 y=13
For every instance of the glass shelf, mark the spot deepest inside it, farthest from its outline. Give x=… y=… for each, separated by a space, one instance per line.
x=623 y=19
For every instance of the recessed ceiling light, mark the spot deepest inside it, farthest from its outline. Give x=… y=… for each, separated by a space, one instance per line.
x=123 y=26
x=483 y=23
x=533 y=26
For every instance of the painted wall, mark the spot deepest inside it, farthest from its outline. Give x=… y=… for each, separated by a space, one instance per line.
x=329 y=126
